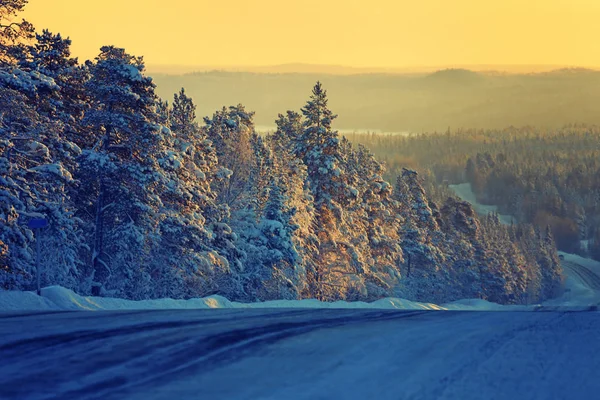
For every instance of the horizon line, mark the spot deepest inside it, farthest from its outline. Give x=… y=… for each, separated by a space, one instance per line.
x=507 y=68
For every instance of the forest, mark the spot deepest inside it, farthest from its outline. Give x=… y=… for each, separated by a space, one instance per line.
x=545 y=177
x=145 y=199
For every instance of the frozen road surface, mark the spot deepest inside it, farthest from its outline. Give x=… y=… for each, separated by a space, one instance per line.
x=300 y=354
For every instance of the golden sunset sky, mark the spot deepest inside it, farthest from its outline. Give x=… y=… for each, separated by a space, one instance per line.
x=359 y=33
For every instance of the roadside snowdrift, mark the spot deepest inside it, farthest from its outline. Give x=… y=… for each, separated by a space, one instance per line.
x=56 y=298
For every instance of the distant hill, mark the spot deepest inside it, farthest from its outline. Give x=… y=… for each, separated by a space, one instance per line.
x=456 y=76
x=405 y=102
x=304 y=68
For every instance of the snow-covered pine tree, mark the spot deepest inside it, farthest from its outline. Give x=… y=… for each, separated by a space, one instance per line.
x=13 y=33
x=230 y=130
x=36 y=173
x=50 y=55
x=262 y=171
x=421 y=240
x=529 y=245
x=185 y=263
x=292 y=179
x=550 y=267
x=246 y=220
x=339 y=264
x=289 y=129
x=319 y=147
x=271 y=255
x=463 y=234
x=120 y=173
x=278 y=229
x=502 y=273
x=382 y=225
x=16 y=197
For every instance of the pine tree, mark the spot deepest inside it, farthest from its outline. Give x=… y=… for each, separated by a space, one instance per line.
x=230 y=131
x=422 y=241
x=319 y=148
x=339 y=263
x=120 y=171
x=289 y=129
x=182 y=117
x=185 y=263
x=549 y=264
x=260 y=175
x=278 y=228
x=37 y=160
x=50 y=55
x=13 y=33
x=292 y=177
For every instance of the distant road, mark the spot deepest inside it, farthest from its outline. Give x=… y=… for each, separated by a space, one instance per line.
x=300 y=354
x=581 y=273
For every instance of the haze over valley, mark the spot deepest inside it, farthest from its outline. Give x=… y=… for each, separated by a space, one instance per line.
x=419 y=102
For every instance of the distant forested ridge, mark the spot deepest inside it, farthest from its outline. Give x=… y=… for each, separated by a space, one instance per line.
x=410 y=102
x=144 y=201
x=546 y=177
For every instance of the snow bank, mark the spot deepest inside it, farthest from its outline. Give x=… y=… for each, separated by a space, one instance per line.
x=483 y=305
x=20 y=301
x=66 y=299
x=59 y=298
x=387 y=303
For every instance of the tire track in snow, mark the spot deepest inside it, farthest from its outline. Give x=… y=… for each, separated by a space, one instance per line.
x=224 y=347
x=148 y=349
x=584 y=274
x=25 y=346
x=101 y=353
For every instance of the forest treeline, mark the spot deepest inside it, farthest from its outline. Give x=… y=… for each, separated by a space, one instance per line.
x=543 y=177
x=145 y=201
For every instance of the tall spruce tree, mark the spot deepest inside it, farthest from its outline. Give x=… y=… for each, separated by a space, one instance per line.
x=339 y=264
x=120 y=172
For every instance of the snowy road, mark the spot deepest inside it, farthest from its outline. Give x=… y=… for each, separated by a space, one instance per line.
x=585 y=275
x=300 y=354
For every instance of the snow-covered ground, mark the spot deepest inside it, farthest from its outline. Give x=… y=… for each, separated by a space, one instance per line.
x=57 y=298
x=300 y=354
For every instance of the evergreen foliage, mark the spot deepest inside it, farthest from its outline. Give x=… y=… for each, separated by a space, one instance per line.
x=143 y=202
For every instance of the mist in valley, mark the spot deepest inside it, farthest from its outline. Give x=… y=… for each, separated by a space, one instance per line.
x=415 y=102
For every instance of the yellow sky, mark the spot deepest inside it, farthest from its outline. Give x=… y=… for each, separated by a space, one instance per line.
x=375 y=33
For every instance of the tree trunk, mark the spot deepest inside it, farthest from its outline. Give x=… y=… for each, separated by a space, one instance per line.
x=98 y=243
x=97 y=263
